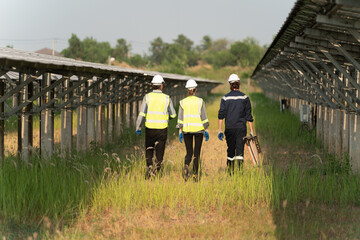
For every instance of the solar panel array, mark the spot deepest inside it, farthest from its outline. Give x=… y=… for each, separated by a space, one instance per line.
x=32 y=83
x=315 y=56
x=314 y=61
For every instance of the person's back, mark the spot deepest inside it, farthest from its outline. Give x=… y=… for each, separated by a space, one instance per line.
x=235 y=107
x=157 y=115
x=192 y=106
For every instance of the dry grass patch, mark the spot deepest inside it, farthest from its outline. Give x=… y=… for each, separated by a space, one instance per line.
x=232 y=223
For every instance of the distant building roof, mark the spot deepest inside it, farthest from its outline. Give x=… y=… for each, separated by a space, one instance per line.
x=48 y=51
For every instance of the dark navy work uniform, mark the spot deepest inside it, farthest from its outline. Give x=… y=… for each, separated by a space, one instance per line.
x=235 y=107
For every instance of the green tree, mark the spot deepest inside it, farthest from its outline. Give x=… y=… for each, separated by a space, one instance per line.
x=247 y=52
x=206 y=43
x=121 y=50
x=94 y=51
x=219 y=45
x=184 y=42
x=223 y=58
x=158 y=50
x=137 y=60
x=75 y=49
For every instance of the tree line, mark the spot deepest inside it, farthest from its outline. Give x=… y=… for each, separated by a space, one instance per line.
x=175 y=56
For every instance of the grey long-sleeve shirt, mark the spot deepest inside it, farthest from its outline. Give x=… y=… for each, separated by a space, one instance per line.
x=144 y=108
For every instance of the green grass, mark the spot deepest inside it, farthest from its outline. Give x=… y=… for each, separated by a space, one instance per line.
x=129 y=192
x=63 y=189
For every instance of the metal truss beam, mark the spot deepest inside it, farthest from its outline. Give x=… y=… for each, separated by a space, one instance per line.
x=304 y=47
x=322 y=34
x=307 y=93
x=348 y=3
x=338 y=22
x=312 y=83
x=287 y=83
x=321 y=76
x=340 y=68
x=355 y=34
x=33 y=98
x=343 y=51
x=326 y=44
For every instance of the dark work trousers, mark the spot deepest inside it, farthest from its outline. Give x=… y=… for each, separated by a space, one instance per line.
x=155 y=139
x=235 y=151
x=190 y=150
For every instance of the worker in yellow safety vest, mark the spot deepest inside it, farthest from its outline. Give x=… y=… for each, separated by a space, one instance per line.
x=192 y=124
x=156 y=108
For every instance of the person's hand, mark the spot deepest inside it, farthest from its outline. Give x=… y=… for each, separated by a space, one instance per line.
x=206 y=136
x=138 y=132
x=220 y=135
x=181 y=137
x=252 y=135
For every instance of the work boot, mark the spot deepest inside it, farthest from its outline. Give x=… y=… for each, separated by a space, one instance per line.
x=149 y=172
x=186 y=172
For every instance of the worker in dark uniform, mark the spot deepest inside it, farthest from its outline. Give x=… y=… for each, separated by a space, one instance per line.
x=235 y=107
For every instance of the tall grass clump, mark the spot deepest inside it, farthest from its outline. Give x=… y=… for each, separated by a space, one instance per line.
x=57 y=188
x=275 y=127
x=128 y=191
x=299 y=185
x=328 y=181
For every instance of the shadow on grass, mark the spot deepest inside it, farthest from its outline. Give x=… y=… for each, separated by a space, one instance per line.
x=312 y=197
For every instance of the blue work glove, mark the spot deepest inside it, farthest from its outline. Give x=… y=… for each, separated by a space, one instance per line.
x=221 y=135
x=181 y=137
x=206 y=136
x=138 y=132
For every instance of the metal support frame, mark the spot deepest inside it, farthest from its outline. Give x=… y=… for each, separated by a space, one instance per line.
x=340 y=68
x=47 y=121
x=327 y=81
x=311 y=82
x=81 y=136
x=66 y=123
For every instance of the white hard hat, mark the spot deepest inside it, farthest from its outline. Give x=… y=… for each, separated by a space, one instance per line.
x=233 y=77
x=157 y=80
x=191 y=84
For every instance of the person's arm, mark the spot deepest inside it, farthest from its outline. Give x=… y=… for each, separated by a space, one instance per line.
x=251 y=128
x=180 y=118
x=249 y=117
x=204 y=118
x=171 y=109
x=142 y=115
x=220 y=122
x=221 y=114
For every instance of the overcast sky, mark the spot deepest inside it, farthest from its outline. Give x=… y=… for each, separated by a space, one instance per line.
x=32 y=24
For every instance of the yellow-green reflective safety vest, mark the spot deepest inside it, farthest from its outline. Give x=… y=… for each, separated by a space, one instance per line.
x=157 y=116
x=192 y=114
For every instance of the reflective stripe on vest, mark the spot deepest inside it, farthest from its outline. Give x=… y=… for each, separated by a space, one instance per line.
x=157 y=115
x=192 y=114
